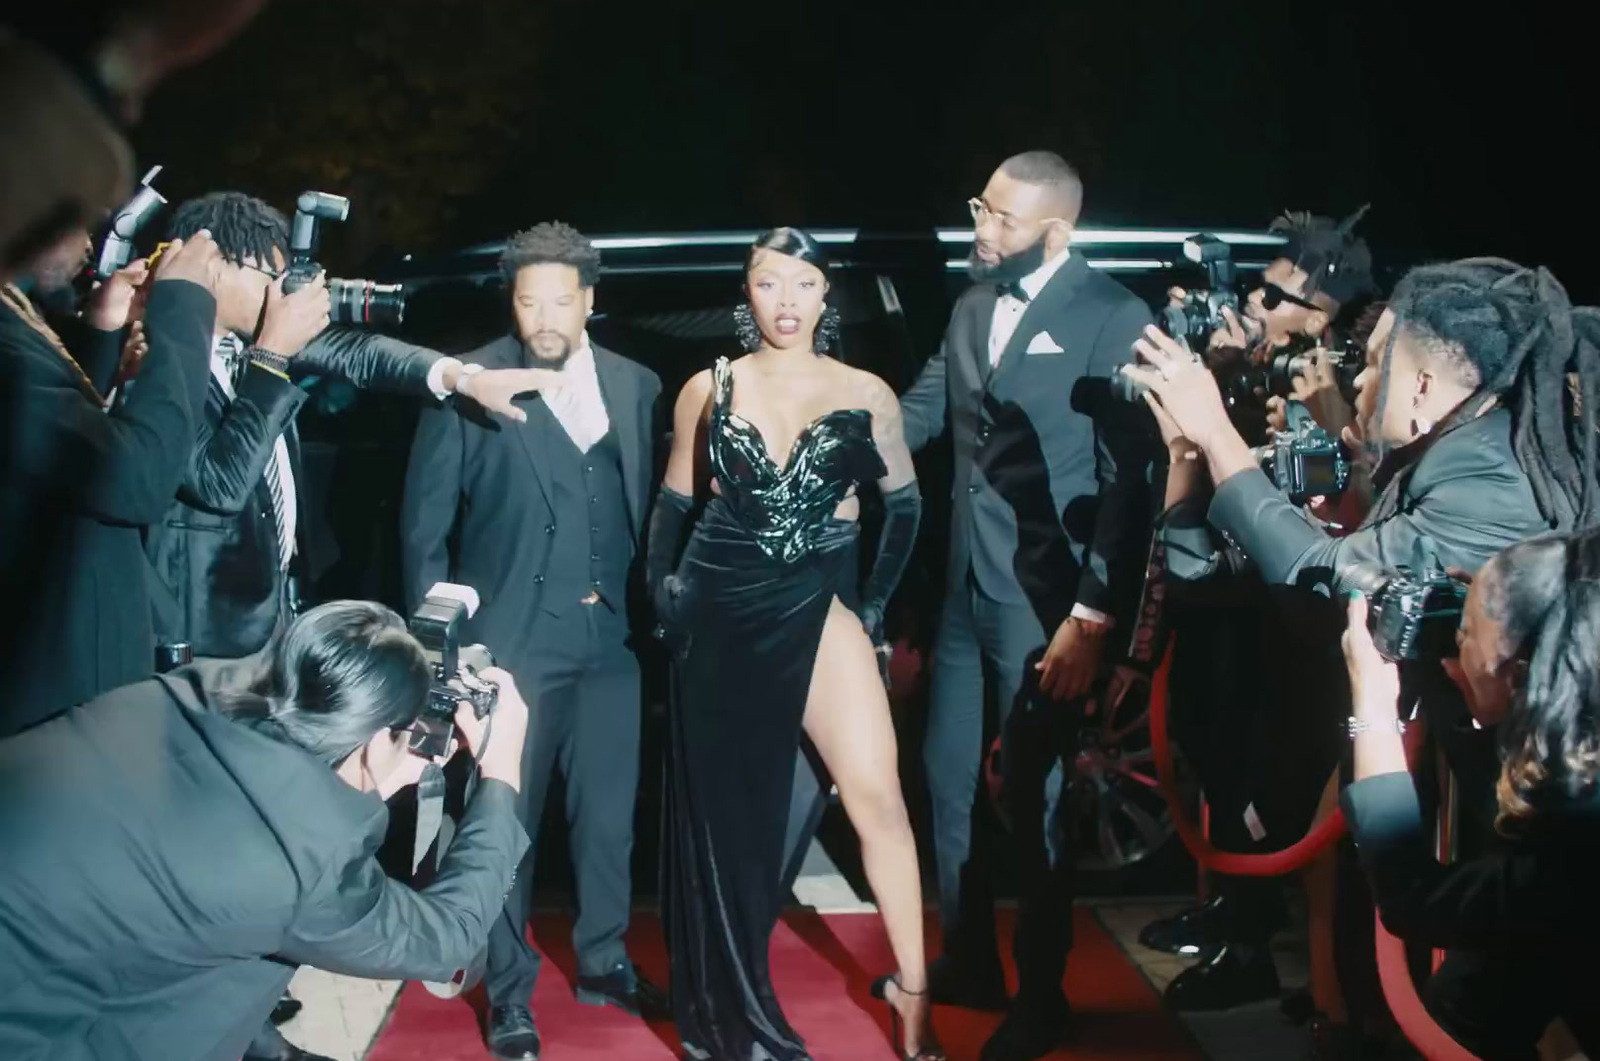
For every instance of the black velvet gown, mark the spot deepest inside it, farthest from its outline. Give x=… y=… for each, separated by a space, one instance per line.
x=759 y=574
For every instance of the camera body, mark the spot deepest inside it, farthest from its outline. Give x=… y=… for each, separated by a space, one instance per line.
x=365 y=303
x=1412 y=616
x=436 y=623
x=1346 y=358
x=1304 y=460
x=1200 y=312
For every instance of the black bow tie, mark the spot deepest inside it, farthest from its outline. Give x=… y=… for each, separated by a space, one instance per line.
x=1016 y=291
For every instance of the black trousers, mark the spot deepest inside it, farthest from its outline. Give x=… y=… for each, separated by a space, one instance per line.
x=583 y=694
x=982 y=639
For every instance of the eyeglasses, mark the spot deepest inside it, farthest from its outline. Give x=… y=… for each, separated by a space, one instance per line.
x=1273 y=296
x=1010 y=223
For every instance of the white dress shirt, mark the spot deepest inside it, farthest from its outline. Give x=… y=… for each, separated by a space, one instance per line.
x=224 y=352
x=577 y=403
x=1008 y=309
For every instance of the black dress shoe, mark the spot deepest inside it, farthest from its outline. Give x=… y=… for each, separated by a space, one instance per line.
x=1028 y=1032
x=1188 y=933
x=512 y=1035
x=950 y=984
x=627 y=989
x=1232 y=975
x=286 y=1009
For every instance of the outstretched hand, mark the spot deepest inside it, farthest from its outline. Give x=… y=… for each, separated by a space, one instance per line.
x=497 y=389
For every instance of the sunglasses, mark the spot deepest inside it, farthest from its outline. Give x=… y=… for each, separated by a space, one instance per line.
x=1273 y=296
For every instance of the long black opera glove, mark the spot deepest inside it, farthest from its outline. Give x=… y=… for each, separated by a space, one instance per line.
x=902 y=513
x=667 y=521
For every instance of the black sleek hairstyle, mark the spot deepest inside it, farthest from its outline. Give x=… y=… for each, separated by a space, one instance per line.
x=794 y=242
x=1335 y=260
x=1511 y=333
x=1545 y=594
x=334 y=678
x=551 y=242
x=242 y=226
x=1049 y=170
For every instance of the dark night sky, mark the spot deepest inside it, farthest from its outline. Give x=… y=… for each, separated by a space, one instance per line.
x=449 y=121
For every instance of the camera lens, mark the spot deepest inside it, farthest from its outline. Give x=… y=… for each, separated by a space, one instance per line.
x=366 y=303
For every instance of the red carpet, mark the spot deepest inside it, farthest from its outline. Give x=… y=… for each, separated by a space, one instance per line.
x=823 y=966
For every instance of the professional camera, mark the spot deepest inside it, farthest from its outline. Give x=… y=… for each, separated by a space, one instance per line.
x=1346 y=357
x=1200 y=312
x=361 y=302
x=116 y=250
x=456 y=667
x=1304 y=460
x=1413 y=614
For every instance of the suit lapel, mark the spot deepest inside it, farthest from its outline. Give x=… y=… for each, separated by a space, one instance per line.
x=980 y=328
x=620 y=394
x=1053 y=298
x=530 y=433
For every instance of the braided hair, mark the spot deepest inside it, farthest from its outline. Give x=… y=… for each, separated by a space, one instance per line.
x=240 y=225
x=1511 y=332
x=1335 y=260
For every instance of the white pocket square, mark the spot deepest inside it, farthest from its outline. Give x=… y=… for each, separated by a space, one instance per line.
x=1043 y=344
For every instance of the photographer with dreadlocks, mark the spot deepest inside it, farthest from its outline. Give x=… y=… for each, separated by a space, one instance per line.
x=1476 y=409
x=1242 y=649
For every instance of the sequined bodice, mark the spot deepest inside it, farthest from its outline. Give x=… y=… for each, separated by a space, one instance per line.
x=787 y=509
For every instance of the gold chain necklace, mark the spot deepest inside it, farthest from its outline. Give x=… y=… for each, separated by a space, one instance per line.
x=18 y=303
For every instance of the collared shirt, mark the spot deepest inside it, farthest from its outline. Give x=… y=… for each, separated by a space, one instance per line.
x=226 y=354
x=577 y=403
x=1008 y=309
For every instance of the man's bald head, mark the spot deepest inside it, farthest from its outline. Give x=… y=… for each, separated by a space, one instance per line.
x=1052 y=173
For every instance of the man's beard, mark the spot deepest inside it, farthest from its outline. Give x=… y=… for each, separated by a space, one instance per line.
x=540 y=360
x=1010 y=268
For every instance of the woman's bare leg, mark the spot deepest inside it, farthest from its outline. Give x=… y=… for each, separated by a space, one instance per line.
x=847 y=718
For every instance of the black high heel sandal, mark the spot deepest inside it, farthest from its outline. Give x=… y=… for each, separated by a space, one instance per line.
x=880 y=991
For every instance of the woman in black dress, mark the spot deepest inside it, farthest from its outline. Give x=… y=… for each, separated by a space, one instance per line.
x=776 y=444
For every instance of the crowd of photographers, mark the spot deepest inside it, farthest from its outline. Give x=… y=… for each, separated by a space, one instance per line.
x=1333 y=443
x=1376 y=525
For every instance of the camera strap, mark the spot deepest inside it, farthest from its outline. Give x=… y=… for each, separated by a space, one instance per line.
x=430 y=816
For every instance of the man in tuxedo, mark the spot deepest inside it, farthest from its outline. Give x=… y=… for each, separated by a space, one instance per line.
x=546 y=518
x=1050 y=528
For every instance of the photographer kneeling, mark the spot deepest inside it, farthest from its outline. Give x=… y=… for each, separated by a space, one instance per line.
x=1530 y=669
x=127 y=936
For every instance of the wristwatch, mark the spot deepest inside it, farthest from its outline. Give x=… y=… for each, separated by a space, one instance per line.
x=1357 y=726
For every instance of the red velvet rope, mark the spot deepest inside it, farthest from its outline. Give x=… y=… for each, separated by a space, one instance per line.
x=1394 y=972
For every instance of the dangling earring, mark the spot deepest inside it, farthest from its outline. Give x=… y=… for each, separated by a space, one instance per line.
x=744 y=327
x=1421 y=426
x=826 y=338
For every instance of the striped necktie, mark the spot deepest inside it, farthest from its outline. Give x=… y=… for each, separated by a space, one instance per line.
x=232 y=352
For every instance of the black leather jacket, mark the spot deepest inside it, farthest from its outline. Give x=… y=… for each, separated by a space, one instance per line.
x=217 y=583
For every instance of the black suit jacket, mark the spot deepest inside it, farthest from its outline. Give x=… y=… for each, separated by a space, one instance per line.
x=218 y=584
x=78 y=484
x=167 y=867
x=1049 y=469
x=477 y=507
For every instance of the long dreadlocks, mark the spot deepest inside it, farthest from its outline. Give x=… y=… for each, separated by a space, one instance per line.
x=1511 y=332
